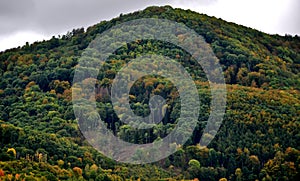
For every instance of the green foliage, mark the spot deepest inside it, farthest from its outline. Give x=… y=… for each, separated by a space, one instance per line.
x=258 y=140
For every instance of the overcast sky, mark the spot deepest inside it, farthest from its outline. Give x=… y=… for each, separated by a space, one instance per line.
x=32 y=20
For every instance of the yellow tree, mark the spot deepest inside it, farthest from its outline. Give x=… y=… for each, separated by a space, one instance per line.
x=238 y=174
x=223 y=179
x=12 y=151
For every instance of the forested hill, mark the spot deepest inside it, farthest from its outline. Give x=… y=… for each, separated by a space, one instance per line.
x=258 y=140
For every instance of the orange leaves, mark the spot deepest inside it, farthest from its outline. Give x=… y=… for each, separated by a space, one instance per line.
x=77 y=171
x=254 y=160
x=239 y=151
x=149 y=84
x=1 y=173
x=67 y=95
x=60 y=86
x=30 y=84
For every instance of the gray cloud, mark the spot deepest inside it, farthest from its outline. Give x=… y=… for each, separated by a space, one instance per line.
x=15 y=15
x=290 y=22
x=200 y=2
x=15 y=8
x=56 y=16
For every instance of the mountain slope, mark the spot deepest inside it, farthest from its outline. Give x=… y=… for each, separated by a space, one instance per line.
x=258 y=139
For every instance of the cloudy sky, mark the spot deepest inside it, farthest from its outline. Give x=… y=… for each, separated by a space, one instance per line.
x=31 y=20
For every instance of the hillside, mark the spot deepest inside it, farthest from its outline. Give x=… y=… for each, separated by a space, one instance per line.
x=259 y=137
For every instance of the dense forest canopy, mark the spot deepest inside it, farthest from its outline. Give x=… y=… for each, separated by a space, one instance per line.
x=258 y=139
